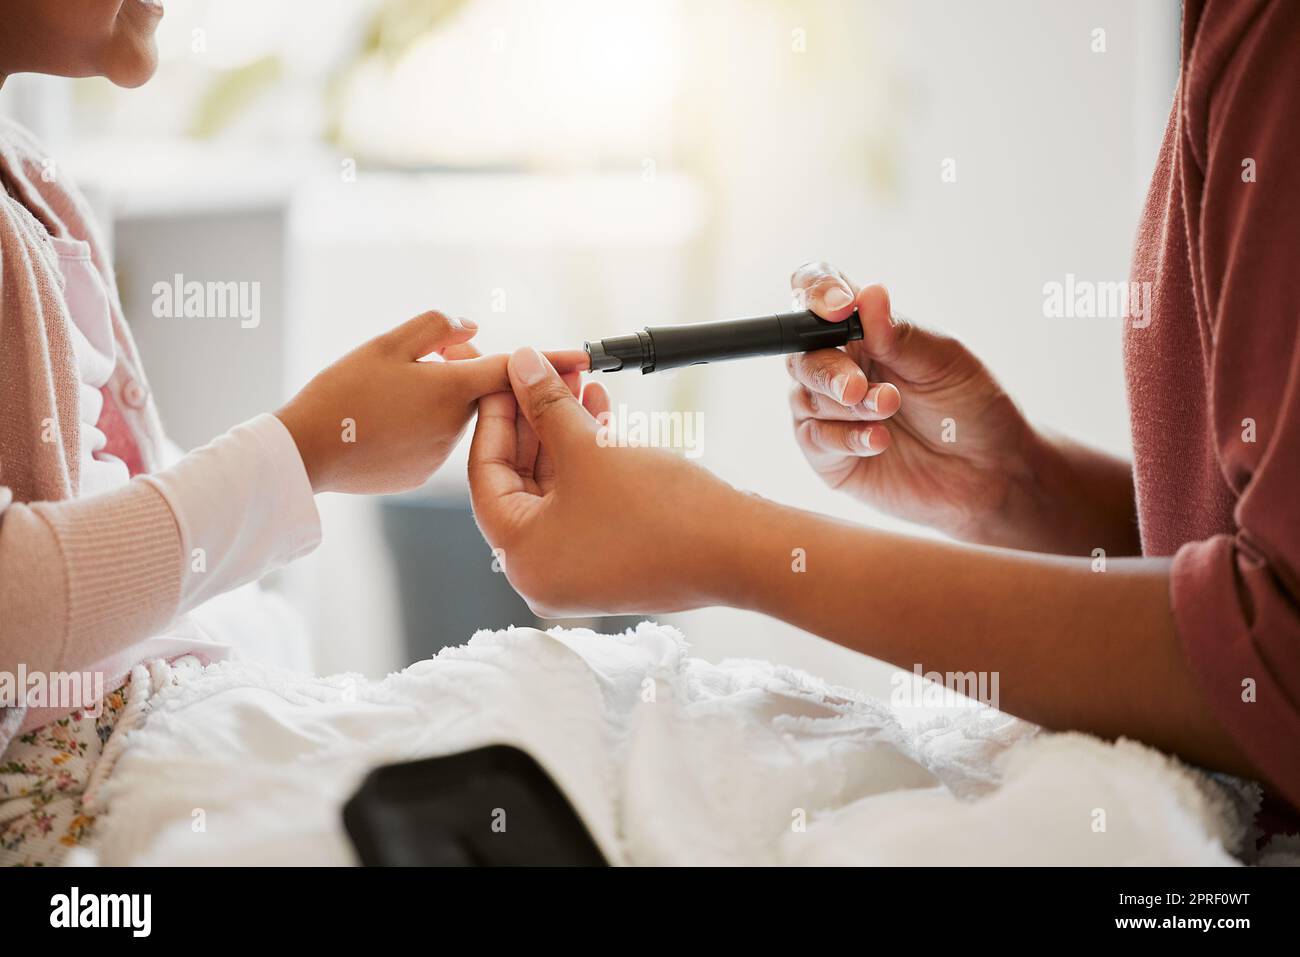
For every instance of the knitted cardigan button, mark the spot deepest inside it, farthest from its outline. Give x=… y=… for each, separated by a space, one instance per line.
x=134 y=395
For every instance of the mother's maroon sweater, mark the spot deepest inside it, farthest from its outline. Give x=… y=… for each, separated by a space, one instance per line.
x=1214 y=378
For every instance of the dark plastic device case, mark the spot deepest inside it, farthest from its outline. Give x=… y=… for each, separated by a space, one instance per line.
x=494 y=806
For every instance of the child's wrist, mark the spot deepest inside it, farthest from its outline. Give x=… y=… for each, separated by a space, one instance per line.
x=313 y=457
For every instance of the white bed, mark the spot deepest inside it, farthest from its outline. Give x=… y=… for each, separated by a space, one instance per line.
x=668 y=758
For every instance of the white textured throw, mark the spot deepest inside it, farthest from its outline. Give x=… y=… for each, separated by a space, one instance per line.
x=669 y=759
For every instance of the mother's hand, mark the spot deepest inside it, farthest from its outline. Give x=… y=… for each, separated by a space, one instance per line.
x=955 y=448
x=582 y=525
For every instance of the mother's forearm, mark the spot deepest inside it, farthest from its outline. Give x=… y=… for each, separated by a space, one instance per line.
x=1075 y=647
x=1073 y=500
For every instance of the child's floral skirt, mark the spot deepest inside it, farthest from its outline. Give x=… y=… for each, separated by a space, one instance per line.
x=50 y=778
x=43 y=779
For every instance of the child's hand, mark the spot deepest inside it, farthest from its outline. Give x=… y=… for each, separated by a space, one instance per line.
x=379 y=421
x=584 y=527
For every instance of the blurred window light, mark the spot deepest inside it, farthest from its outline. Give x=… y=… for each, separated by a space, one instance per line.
x=516 y=83
x=467 y=84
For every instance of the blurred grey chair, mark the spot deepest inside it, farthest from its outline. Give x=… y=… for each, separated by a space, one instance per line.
x=446 y=581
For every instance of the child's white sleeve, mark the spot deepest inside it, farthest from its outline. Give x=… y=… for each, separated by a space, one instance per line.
x=244 y=506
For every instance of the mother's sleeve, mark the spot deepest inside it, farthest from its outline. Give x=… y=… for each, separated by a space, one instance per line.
x=1236 y=598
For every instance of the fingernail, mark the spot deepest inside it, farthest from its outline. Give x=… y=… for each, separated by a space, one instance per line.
x=863 y=440
x=838 y=385
x=872 y=401
x=469 y=324
x=836 y=298
x=529 y=365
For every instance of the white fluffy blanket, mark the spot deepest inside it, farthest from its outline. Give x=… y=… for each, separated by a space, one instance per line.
x=669 y=759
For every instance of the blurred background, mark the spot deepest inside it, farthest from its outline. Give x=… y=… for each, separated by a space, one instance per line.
x=571 y=169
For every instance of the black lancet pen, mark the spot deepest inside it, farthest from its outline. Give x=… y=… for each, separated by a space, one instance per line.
x=672 y=347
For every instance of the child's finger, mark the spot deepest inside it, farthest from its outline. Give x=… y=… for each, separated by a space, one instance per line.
x=483 y=376
x=460 y=351
x=595 y=399
x=568 y=360
x=427 y=333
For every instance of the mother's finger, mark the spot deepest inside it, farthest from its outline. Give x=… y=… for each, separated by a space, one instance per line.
x=882 y=401
x=823 y=438
x=824 y=289
x=492 y=470
x=544 y=470
x=527 y=447
x=830 y=372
